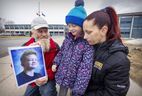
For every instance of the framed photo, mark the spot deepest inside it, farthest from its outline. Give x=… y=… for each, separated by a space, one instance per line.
x=28 y=64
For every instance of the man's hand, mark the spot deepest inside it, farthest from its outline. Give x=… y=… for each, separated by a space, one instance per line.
x=54 y=68
x=41 y=81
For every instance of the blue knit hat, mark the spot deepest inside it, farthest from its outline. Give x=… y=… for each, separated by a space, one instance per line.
x=77 y=14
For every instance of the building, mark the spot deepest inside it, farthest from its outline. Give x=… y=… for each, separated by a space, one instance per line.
x=25 y=29
x=57 y=29
x=17 y=29
x=131 y=25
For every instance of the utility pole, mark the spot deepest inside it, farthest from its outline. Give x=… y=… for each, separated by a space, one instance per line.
x=39 y=13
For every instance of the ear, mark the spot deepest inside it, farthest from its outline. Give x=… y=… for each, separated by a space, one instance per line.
x=104 y=30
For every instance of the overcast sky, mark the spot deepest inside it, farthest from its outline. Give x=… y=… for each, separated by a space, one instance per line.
x=23 y=11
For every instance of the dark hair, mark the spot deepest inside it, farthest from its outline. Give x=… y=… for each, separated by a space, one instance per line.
x=108 y=17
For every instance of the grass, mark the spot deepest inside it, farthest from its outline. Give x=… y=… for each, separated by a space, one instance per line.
x=135 y=57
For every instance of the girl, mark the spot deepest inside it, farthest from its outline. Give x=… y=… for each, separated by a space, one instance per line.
x=74 y=60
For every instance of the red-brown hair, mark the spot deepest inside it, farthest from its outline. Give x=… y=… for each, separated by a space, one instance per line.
x=108 y=17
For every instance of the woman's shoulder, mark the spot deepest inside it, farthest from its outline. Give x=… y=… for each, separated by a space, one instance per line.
x=118 y=59
x=118 y=53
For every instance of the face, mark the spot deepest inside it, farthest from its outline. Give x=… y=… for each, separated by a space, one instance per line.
x=93 y=34
x=42 y=36
x=30 y=62
x=74 y=29
x=42 y=33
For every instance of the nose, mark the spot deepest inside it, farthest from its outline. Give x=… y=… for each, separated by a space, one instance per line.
x=44 y=33
x=34 y=60
x=85 y=36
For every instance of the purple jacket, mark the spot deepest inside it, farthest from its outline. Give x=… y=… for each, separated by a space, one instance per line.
x=74 y=61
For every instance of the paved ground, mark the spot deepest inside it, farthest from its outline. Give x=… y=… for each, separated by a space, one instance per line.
x=10 y=42
x=7 y=80
x=8 y=83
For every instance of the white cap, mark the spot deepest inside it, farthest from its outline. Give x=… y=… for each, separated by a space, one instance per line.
x=39 y=22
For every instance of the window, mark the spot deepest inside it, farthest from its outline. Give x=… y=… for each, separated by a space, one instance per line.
x=137 y=33
x=125 y=33
x=126 y=22
x=138 y=22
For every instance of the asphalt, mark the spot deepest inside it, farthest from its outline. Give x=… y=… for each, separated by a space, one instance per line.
x=7 y=79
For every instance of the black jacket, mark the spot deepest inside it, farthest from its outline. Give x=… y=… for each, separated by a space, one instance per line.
x=110 y=76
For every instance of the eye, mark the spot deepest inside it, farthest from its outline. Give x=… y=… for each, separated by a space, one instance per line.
x=88 y=32
x=68 y=25
x=40 y=31
x=73 y=25
x=29 y=60
x=45 y=31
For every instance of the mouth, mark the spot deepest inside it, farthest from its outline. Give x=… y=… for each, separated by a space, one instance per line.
x=44 y=38
x=34 y=64
x=89 y=42
x=72 y=31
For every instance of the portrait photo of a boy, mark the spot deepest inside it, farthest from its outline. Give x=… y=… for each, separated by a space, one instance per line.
x=27 y=63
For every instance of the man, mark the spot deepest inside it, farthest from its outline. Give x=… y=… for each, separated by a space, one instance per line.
x=40 y=36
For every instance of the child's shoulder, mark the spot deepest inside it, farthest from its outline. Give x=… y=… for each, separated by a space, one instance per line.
x=84 y=41
x=86 y=45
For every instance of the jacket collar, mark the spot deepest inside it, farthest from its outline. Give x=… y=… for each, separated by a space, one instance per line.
x=71 y=37
x=112 y=46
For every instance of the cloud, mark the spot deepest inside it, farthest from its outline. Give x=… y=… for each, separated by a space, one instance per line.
x=124 y=6
x=23 y=11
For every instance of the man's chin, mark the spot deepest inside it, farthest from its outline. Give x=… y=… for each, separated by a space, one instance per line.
x=45 y=43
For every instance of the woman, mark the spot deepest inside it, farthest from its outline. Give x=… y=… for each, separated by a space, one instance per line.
x=110 y=76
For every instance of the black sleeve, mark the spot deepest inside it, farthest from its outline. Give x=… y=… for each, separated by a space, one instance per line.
x=117 y=79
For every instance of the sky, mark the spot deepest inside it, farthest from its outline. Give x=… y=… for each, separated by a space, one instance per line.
x=23 y=11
